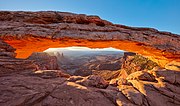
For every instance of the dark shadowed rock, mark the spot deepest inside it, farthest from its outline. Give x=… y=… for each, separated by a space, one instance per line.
x=44 y=61
x=113 y=66
x=93 y=81
x=9 y=64
x=83 y=72
x=6 y=49
x=106 y=74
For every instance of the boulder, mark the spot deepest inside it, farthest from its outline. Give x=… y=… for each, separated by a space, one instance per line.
x=141 y=75
x=93 y=81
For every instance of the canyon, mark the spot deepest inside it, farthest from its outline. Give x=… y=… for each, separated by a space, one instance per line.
x=149 y=76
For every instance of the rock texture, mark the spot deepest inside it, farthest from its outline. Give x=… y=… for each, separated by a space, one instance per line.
x=44 y=61
x=138 y=89
x=151 y=87
x=21 y=84
x=33 y=91
x=8 y=62
x=113 y=66
x=52 y=27
x=133 y=63
x=6 y=50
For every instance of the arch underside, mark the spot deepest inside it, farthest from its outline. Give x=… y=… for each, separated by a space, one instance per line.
x=30 y=32
x=25 y=47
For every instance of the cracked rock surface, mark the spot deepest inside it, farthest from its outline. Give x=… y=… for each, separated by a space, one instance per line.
x=22 y=84
x=18 y=27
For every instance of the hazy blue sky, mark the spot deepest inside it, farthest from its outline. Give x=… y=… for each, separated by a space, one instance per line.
x=163 y=15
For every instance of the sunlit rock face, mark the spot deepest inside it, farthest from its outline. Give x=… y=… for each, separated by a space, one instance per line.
x=21 y=83
x=153 y=87
x=30 y=32
x=133 y=62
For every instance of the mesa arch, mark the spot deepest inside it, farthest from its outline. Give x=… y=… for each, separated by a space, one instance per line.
x=36 y=31
x=25 y=47
x=31 y=32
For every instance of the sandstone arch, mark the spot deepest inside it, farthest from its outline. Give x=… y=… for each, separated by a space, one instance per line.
x=37 y=31
x=28 y=32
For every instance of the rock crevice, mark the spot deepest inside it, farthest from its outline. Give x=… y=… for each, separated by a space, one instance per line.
x=139 y=82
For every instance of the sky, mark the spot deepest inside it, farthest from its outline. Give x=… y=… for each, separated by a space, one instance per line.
x=77 y=48
x=163 y=15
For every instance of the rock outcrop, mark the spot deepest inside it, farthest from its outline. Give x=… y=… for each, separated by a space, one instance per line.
x=151 y=92
x=9 y=64
x=25 y=90
x=6 y=50
x=23 y=85
x=44 y=61
x=132 y=62
x=152 y=88
x=113 y=66
x=38 y=31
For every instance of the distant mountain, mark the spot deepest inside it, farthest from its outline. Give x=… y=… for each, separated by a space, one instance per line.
x=83 y=51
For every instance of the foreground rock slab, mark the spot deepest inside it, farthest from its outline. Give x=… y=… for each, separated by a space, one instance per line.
x=35 y=91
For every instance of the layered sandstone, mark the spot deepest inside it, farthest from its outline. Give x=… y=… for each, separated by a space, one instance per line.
x=151 y=87
x=38 y=31
x=21 y=83
x=8 y=62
